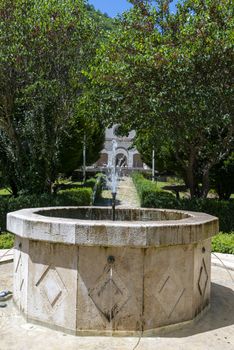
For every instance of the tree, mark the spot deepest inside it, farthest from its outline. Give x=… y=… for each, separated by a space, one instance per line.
x=169 y=76
x=79 y=131
x=44 y=47
x=222 y=177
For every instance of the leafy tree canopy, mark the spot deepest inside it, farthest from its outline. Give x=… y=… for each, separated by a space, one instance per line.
x=45 y=45
x=169 y=77
x=222 y=177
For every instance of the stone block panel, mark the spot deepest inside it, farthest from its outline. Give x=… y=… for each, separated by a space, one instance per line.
x=202 y=275
x=168 y=286
x=110 y=285
x=52 y=284
x=20 y=276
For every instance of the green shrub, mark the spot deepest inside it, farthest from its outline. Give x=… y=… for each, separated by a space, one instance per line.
x=29 y=201
x=77 y=196
x=223 y=243
x=90 y=182
x=74 y=197
x=153 y=197
x=6 y=240
x=224 y=210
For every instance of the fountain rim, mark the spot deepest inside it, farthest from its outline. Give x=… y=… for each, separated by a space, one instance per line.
x=32 y=214
x=27 y=223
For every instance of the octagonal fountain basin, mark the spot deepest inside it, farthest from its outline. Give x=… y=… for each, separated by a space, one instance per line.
x=78 y=271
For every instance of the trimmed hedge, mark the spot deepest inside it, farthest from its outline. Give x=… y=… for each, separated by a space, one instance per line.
x=70 y=191
x=76 y=196
x=152 y=197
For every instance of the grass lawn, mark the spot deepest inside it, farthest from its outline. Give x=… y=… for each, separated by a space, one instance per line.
x=161 y=184
x=174 y=181
x=4 y=192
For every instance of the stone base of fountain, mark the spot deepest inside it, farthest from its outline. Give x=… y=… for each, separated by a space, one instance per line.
x=148 y=269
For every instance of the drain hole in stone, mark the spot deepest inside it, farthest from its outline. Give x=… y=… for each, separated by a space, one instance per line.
x=111 y=259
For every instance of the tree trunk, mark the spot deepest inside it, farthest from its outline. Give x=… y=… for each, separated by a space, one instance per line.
x=190 y=176
x=13 y=187
x=205 y=183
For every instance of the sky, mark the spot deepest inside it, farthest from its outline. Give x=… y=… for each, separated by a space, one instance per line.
x=114 y=7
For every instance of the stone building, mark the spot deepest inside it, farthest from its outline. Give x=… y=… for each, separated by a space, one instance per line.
x=126 y=153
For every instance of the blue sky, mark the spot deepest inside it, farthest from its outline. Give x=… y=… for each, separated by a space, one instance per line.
x=114 y=7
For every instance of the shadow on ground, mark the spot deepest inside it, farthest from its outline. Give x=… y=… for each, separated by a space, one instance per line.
x=220 y=314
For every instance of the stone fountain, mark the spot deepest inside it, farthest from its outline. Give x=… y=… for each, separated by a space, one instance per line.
x=77 y=271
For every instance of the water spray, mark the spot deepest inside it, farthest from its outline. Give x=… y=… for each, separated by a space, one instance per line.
x=112 y=179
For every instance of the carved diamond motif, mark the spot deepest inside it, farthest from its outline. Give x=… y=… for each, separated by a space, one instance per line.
x=169 y=291
x=203 y=278
x=51 y=288
x=19 y=263
x=19 y=273
x=109 y=294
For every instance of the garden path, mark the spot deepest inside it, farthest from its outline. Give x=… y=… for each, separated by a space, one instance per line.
x=126 y=194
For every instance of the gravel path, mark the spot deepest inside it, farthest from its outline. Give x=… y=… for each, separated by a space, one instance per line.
x=126 y=194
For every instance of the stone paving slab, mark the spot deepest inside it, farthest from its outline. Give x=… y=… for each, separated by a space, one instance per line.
x=215 y=330
x=223 y=260
x=6 y=255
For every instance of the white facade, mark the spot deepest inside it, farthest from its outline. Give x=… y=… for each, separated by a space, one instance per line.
x=125 y=153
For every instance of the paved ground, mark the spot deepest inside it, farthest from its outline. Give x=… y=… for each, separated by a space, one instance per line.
x=127 y=194
x=6 y=255
x=214 y=331
x=223 y=260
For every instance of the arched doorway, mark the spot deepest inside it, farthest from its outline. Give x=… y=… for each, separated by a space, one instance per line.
x=121 y=160
x=122 y=157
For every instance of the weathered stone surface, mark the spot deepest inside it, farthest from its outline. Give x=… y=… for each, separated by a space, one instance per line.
x=168 y=285
x=21 y=259
x=134 y=227
x=201 y=278
x=113 y=283
x=52 y=284
x=99 y=277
